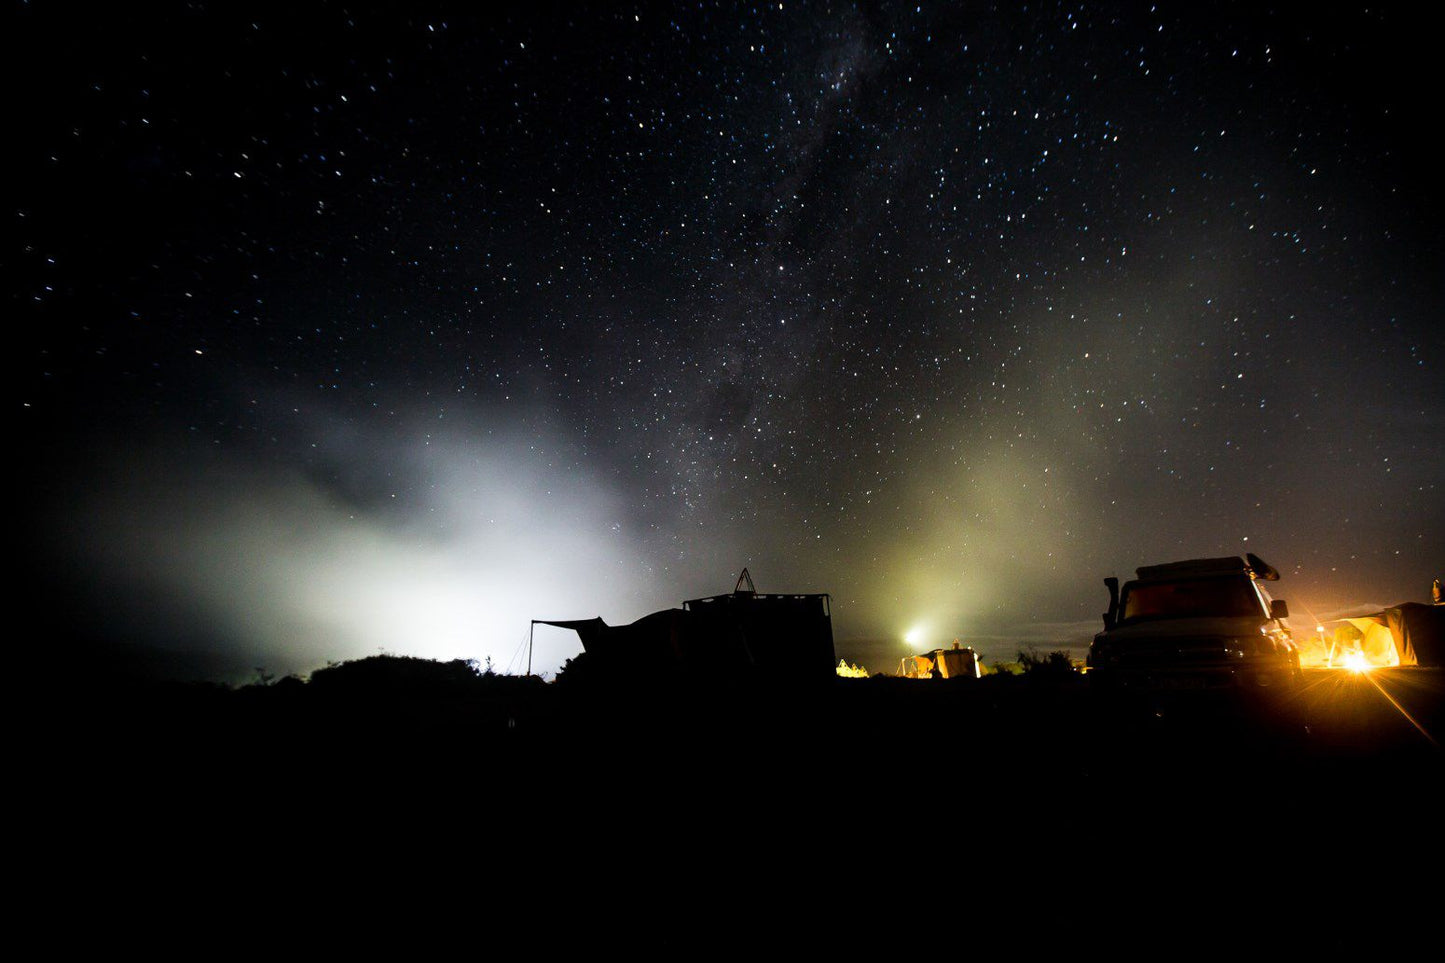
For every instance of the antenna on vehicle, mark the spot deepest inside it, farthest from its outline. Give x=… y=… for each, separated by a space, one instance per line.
x=745 y=579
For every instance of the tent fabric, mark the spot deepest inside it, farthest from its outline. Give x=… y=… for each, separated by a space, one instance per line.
x=1421 y=629
x=1415 y=631
x=1378 y=643
x=650 y=639
x=785 y=636
x=577 y=625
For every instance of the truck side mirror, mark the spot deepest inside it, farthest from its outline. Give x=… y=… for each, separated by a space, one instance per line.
x=1278 y=609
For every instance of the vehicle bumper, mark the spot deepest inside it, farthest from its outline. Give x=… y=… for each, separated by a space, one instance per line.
x=1206 y=678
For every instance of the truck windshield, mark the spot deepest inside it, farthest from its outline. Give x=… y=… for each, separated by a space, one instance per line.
x=1191 y=599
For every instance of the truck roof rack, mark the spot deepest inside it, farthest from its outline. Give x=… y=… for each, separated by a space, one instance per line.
x=1253 y=565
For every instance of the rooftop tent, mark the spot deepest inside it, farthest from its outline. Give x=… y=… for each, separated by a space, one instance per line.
x=1410 y=633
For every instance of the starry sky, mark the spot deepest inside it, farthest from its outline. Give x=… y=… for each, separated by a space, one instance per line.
x=348 y=328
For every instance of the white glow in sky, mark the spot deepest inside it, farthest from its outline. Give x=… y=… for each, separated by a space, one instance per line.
x=280 y=569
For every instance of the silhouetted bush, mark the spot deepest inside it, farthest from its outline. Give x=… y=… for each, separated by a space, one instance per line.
x=577 y=670
x=395 y=673
x=1056 y=663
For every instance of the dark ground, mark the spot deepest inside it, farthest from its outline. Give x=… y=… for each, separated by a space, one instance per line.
x=647 y=815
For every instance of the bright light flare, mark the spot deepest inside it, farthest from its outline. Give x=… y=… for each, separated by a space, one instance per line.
x=1356 y=662
x=914 y=636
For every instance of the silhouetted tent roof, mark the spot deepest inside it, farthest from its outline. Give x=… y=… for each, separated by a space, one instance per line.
x=659 y=637
x=786 y=635
x=1418 y=631
x=583 y=627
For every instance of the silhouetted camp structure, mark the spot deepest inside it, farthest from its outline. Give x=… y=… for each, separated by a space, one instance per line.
x=787 y=636
x=1410 y=633
x=955 y=663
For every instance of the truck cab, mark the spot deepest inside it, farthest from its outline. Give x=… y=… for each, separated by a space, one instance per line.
x=1200 y=623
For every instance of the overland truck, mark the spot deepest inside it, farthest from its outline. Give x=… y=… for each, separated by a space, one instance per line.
x=1198 y=624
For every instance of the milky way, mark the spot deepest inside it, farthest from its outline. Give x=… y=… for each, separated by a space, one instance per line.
x=345 y=330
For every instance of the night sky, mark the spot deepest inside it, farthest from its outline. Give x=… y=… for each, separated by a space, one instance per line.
x=346 y=329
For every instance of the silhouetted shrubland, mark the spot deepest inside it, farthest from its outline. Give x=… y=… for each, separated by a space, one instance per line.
x=1056 y=663
x=398 y=674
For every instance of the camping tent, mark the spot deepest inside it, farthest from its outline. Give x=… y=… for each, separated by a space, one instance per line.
x=1410 y=633
x=781 y=635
